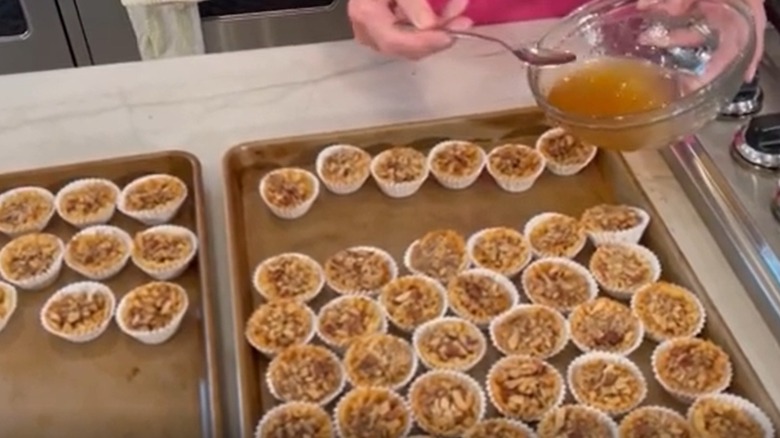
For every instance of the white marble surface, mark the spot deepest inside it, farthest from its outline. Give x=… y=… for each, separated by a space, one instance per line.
x=207 y=104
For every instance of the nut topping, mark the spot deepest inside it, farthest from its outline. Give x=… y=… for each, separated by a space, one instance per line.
x=154 y=192
x=557 y=235
x=24 y=210
x=605 y=325
x=668 y=311
x=307 y=373
x=524 y=388
x=440 y=254
x=607 y=217
x=96 y=251
x=153 y=306
x=502 y=250
x=653 y=422
x=621 y=267
x=450 y=343
x=88 y=200
x=530 y=330
x=372 y=413
x=78 y=313
x=515 y=160
x=379 y=360
x=357 y=270
x=498 y=428
x=345 y=319
x=457 y=158
x=288 y=276
x=161 y=248
x=556 y=284
x=296 y=420
x=287 y=187
x=346 y=165
x=400 y=165
x=575 y=421
x=607 y=384
x=722 y=417
x=30 y=255
x=279 y=324
x=5 y=302
x=563 y=148
x=412 y=300
x=692 y=366
x=446 y=403
x=478 y=296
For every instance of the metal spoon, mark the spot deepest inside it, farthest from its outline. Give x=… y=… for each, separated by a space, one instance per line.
x=529 y=55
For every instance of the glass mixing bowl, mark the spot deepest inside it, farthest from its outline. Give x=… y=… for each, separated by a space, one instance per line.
x=706 y=50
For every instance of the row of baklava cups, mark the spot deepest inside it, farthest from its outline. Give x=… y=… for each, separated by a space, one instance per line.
x=401 y=171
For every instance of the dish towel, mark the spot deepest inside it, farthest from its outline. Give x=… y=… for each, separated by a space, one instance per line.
x=166 y=28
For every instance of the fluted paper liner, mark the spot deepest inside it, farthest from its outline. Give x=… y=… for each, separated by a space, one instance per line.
x=403 y=382
x=440 y=290
x=455 y=182
x=340 y=385
x=516 y=184
x=294 y=211
x=174 y=269
x=522 y=308
x=431 y=325
x=91 y=288
x=640 y=337
x=649 y=334
x=649 y=408
x=303 y=297
x=625 y=294
x=110 y=271
x=746 y=406
x=40 y=281
x=280 y=409
x=593 y=288
x=540 y=219
x=612 y=358
x=101 y=217
x=391 y=265
x=341 y=403
x=395 y=189
x=338 y=302
x=152 y=337
x=601 y=417
x=508 y=422
x=509 y=289
x=685 y=396
x=158 y=215
x=11 y=301
x=477 y=237
x=557 y=401
x=340 y=187
x=630 y=235
x=557 y=168
x=468 y=381
x=33 y=226
x=410 y=267
x=271 y=352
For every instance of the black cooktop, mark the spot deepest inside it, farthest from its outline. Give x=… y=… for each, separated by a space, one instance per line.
x=12 y=21
x=216 y=8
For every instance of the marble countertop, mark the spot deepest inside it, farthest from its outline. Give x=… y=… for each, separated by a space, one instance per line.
x=207 y=104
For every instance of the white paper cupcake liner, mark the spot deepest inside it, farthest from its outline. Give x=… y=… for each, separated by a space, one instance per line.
x=519 y=309
x=339 y=187
x=467 y=381
x=340 y=385
x=514 y=184
x=746 y=406
x=611 y=358
x=91 y=288
x=392 y=394
x=593 y=287
x=430 y=325
x=280 y=409
x=391 y=265
x=155 y=216
x=562 y=169
x=455 y=182
x=11 y=301
x=440 y=290
x=31 y=227
x=295 y=211
x=559 y=397
x=100 y=217
x=105 y=273
x=410 y=266
x=660 y=338
x=153 y=337
x=271 y=352
x=622 y=293
x=509 y=423
x=303 y=297
x=506 y=285
x=648 y=408
x=394 y=189
x=173 y=270
x=538 y=220
x=682 y=395
x=40 y=281
x=475 y=239
x=631 y=235
x=583 y=347
x=603 y=418
x=334 y=343
x=401 y=384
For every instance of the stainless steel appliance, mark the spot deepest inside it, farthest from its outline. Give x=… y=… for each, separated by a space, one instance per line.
x=32 y=36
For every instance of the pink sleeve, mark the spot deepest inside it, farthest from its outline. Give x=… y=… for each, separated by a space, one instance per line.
x=504 y=11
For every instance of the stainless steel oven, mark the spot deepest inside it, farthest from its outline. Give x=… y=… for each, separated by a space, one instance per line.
x=32 y=37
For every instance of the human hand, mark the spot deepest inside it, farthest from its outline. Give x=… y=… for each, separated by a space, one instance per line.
x=375 y=24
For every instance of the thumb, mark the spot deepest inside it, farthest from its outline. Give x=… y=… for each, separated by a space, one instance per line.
x=419 y=13
x=671 y=7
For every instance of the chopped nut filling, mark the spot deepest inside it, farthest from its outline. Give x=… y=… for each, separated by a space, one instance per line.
x=514 y=160
x=440 y=254
x=411 y=301
x=78 y=313
x=715 y=418
x=5 y=302
x=400 y=165
x=307 y=373
x=566 y=149
x=358 y=270
x=531 y=330
x=297 y=420
x=379 y=360
x=556 y=285
x=288 y=276
x=607 y=217
x=605 y=325
x=161 y=248
x=288 y=187
x=606 y=385
x=501 y=249
x=692 y=365
x=573 y=421
x=451 y=343
x=372 y=413
x=344 y=320
x=524 y=387
x=24 y=210
x=557 y=236
x=668 y=311
x=346 y=165
x=478 y=297
x=497 y=428
x=279 y=324
x=89 y=200
x=621 y=267
x=153 y=306
x=155 y=192
x=650 y=422
x=445 y=404
x=30 y=255
x=458 y=158
x=96 y=251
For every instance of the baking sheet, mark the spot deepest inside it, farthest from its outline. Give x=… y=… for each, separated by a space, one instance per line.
x=113 y=386
x=370 y=218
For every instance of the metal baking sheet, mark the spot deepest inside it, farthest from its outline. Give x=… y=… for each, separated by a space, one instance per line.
x=114 y=386
x=370 y=218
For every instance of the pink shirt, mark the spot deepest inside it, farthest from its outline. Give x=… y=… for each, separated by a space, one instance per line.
x=502 y=11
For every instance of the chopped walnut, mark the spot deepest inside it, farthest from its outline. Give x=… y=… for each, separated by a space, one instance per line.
x=280 y=324
x=346 y=165
x=501 y=249
x=693 y=366
x=153 y=306
x=372 y=413
x=621 y=267
x=653 y=422
x=564 y=148
x=515 y=160
x=357 y=270
x=524 y=387
x=607 y=385
x=412 y=300
x=307 y=373
x=400 y=165
x=607 y=217
x=668 y=311
x=30 y=255
x=78 y=313
x=445 y=404
x=718 y=418
x=5 y=302
x=24 y=210
x=288 y=187
x=531 y=330
x=379 y=360
x=450 y=343
x=96 y=251
x=440 y=254
x=478 y=297
x=88 y=200
x=155 y=192
x=161 y=248
x=556 y=284
x=457 y=158
x=605 y=325
x=557 y=236
x=296 y=420
x=498 y=428
x=288 y=276
x=574 y=421
x=342 y=321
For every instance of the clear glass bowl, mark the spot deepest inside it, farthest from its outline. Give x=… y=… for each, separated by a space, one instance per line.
x=709 y=65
